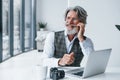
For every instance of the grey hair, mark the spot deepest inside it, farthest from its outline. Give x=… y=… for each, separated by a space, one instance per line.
x=81 y=13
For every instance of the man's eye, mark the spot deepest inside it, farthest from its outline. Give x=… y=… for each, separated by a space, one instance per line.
x=68 y=17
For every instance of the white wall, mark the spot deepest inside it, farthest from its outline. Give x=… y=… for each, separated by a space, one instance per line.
x=52 y=12
x=102 y=17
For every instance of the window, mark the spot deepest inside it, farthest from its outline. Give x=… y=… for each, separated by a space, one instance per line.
x=18 y=22
x=17 y=4
x=5 y=32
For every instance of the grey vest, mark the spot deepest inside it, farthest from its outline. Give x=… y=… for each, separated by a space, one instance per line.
x=60 y=48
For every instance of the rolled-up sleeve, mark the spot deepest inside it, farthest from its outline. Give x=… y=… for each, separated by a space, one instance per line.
x=87 y=48
x=47 y=55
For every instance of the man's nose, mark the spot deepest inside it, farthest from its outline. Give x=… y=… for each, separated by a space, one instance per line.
x=71 y=21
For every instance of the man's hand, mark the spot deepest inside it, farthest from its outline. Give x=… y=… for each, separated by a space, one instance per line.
x=81 y=30
x=67 y=59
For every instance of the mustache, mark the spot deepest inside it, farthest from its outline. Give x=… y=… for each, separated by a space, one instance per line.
x=73 y=25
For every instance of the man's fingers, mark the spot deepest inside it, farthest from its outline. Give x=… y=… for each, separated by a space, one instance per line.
x=72 y=54
x=68 y=58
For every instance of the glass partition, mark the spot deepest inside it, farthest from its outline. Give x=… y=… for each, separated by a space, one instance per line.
x=5 y=36
x=28 y=15
x=16 y=29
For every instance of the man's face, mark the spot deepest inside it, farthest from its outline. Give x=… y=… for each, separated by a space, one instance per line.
x=71 y=21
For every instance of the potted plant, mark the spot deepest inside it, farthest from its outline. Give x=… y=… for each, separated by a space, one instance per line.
x=42 y=25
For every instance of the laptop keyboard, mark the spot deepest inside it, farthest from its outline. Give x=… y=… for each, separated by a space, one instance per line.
x=79 y=73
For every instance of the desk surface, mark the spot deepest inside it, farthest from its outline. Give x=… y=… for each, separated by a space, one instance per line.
x=22 y=67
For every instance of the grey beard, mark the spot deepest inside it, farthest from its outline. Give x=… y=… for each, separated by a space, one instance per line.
x=73 y=31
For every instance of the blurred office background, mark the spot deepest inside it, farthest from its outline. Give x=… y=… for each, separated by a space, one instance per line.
x=20 y=24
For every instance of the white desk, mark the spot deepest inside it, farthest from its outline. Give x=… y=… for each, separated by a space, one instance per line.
x=22 y=67
x=110 y=74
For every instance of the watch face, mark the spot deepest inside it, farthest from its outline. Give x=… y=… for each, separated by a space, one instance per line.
x=118 y=27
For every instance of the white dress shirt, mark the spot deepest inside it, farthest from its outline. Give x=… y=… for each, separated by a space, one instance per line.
x=49 y=60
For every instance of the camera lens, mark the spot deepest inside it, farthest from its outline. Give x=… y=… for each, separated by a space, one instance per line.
x=61 y=74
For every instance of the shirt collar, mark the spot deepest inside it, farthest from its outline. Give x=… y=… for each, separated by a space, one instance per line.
x=65 y=32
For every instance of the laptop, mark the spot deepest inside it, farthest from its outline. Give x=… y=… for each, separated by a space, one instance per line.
x=96 y=64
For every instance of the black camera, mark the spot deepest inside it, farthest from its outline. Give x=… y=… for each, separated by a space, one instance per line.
x=56 y=74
